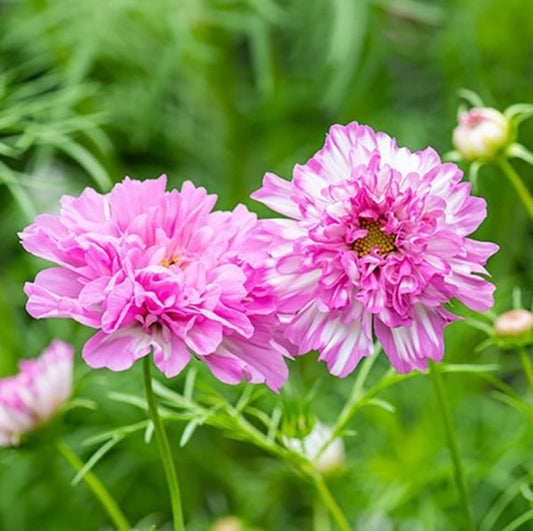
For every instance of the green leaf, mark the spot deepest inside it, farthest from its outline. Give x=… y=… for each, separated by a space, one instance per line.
x=519 y=112
x=383 y=404
x=471 y=97
x=97 y=456
x=121 y=431
x=149 y=432
x=520 y=152
x=128 y=399
x=188 y=389
x=468 y=368
x=189 y=430
x=517 y=523
x=83 y=157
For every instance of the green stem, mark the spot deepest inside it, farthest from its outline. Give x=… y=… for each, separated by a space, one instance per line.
x=519 y=185
x=453 y=446
x=329 y=501
x=107 y=501
x=320 y=516
x=526 y=365
x=298 y=461
x=164 y=448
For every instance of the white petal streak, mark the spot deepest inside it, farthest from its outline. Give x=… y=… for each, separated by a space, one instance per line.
x=409 y=347
x=342 y=345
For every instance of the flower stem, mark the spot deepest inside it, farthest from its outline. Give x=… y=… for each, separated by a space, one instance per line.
x=164 y=448
x=453 y=446
x=329 y=502
x=107 y=501
x=526 y=365
x=320 y=516
x=518 y=184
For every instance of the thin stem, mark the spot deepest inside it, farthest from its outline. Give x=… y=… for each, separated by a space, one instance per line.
x=300 y=462
x=329 y=501
x=164 y=448
x=356 y=402
x=453 y=446
x=526 y=365
x=320 y=516
x=107 y=501
x=519 y=185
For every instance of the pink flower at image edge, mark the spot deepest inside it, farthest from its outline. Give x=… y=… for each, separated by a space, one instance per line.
x=376 y=240
x=151 y=269
x=36 y=393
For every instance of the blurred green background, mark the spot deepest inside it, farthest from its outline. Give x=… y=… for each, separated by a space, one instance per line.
x=220 y=91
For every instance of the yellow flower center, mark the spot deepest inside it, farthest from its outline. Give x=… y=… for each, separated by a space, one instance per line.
x=376 y=237
x=167 y=263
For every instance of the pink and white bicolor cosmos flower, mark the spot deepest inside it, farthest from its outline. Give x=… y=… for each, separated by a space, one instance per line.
x=156 y=269
x=36 y=393
x=377 y=240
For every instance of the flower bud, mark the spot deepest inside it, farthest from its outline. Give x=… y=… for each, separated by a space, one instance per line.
x=482 y=133
x=331 y=459
x=228 y=523
x=514 y=324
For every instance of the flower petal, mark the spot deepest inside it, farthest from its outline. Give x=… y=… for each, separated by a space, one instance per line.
x=409 y=347
x=276 y=194
x=117 y=351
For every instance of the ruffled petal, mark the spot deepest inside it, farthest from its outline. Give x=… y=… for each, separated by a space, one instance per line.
x=258 y=360
x=276 y=195
x=342 y=344
x=409 y=347
x=170 y=353
x=117 y=351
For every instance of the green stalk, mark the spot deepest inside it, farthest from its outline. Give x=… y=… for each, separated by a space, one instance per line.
x=320 y=516
x=99 y=490
x=164 y=448
x=526 y=365
x=329 y=502
x=519 y=185
x=301 y=463
x=453 y=445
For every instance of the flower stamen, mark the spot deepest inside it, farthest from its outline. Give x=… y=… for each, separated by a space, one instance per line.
x=167 y=263
x=376 y=237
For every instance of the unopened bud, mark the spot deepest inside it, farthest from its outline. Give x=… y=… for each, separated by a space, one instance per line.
x=482 y=133
x=514 y=324
x=329 y=460
x=228 y=523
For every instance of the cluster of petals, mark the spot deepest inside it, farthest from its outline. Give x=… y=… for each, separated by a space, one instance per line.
x=151 y=269
x=36 y=393
x=375 y=241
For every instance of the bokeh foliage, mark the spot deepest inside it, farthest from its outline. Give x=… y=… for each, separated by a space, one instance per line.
x=220 y=91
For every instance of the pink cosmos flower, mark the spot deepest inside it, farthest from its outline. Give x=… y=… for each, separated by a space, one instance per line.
x=377 y=241
x=155 y=269
x=36 y=393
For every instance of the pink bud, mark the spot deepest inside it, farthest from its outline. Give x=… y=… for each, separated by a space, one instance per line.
x=514 y=323
x=482 y=133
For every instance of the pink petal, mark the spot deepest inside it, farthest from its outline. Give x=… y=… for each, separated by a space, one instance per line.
x=204 y=337
x=276 y=194
x=409 y=347
x=170 y=353
x=117 y=351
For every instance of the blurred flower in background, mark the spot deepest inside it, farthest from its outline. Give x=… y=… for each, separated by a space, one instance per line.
x=33 y=396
